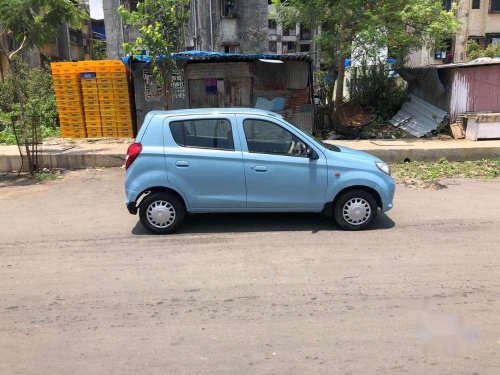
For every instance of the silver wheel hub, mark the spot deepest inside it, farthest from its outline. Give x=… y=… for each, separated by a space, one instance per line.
x=356 y=211
x=160 y=214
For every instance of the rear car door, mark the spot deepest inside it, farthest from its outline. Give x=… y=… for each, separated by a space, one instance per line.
x=278 y=173
x=204 y=161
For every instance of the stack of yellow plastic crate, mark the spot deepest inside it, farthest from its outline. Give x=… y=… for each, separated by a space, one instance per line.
x=93 y=99
x=114 y=99
x=90 y=92
x=69 y=100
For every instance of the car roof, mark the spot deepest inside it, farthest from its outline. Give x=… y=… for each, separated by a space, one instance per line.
x=215 y=111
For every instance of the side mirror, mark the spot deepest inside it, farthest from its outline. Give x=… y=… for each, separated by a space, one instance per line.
x=311 y=154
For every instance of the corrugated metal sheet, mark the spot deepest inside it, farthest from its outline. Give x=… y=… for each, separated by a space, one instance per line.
x=418 y=117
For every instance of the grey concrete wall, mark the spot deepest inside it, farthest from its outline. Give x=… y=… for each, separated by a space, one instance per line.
x=248 y=28
x=114 y=28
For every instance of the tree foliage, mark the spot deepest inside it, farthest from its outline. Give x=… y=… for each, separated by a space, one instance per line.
x=474 y=51
x=33 y=23
x=399 y=25
x=26 y=24
x=161 y=26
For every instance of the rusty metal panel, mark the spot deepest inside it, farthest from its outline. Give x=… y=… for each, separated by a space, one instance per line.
x=297 y=74
x=475 y=89
x=218 y=70
x=200 y=98
x=459 y=101
x=238 y=92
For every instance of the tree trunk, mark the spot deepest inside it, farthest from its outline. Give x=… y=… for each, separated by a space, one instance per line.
x=20 y=98
x=339 y=93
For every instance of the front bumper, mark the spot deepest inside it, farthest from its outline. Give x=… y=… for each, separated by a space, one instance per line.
x=132 y=208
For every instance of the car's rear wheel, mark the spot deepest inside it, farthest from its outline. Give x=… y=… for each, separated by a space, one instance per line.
x=161 y=213
x=355 y=210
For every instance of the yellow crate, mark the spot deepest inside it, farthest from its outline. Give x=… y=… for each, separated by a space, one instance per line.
x=107 y=108
x=89 y=82
x=120 y=85
x=92 y=112
x=122 y=128
x=125 y=134
x=104 y=80
x=105 y=102
x=108 y=119
x=106 y=96
x=94 y=132
x=123 y=118
x=112 y=75
x=91 y=103
x=69 y=110
x=121 y=93
x=109 y=132
x=104 y=85
x=72 y=117
x=65 y=78
x=122 y=100
x=93 y=123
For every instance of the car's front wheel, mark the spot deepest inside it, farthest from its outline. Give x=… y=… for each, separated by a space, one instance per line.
x=161 y=213
x=355 y=210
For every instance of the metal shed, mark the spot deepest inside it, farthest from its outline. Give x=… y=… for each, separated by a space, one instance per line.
x=280 y=83
x=457 y=88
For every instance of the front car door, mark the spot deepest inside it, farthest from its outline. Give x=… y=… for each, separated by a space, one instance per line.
x=279 y=175
x=204 y=162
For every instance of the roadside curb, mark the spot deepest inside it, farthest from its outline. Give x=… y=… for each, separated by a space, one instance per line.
x=392 y=151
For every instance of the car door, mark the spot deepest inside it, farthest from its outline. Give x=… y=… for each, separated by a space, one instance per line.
x=204 y=161
x=278 y=173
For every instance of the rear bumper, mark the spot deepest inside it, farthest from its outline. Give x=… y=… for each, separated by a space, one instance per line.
x=132 y=208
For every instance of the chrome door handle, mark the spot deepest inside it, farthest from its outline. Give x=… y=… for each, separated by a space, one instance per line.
x=182 y=163
x=260 y=168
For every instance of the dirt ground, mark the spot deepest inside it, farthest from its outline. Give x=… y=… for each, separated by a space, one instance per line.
x=85 y=290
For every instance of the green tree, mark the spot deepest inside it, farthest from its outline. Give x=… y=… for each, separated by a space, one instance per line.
x=474 y=51
x=99 y=50
x=28 y=24
x=399 y=25
x=161 y=26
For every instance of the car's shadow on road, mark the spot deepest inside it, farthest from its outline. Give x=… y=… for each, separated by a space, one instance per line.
x=265 y=222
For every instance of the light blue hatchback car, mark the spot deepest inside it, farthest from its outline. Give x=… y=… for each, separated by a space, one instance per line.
x=247 y=160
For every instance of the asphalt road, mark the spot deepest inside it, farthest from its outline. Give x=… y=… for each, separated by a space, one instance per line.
x=84 y=290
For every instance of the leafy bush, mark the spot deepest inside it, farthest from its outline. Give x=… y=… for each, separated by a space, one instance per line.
x=38 y=90
x=474 y=51
x=374 y=88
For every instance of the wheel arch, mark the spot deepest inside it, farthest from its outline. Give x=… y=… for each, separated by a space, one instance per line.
x=328 y=209
x=159 y=189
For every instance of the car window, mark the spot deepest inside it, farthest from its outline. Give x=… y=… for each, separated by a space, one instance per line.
x=266 y=137
x=203 y=133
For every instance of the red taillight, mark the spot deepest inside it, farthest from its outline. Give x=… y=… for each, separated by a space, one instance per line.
x=132 y=153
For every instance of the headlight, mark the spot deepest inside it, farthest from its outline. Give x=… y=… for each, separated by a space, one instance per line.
x=383 y=167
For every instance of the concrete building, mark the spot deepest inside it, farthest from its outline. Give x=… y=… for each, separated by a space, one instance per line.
x=233 y=26
x=480 y=21
x=295 y=39
x=215 y=25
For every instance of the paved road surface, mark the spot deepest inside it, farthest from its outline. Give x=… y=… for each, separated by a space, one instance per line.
x=84 y=290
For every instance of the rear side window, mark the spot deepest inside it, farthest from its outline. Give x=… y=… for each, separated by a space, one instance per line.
x=203 y=133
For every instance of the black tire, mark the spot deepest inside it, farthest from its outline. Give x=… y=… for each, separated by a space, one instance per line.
x=364 y=198
x=166 y=202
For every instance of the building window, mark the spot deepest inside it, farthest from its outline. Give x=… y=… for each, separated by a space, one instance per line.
x=476 y=4
x=305 y=48
x=228 y=8
x=289 y=47
x=231 y=48
x=495 y=6
x=272 y=24
x=289 y=31
x=273 y=46
x=447 y=4
x=305 y=33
